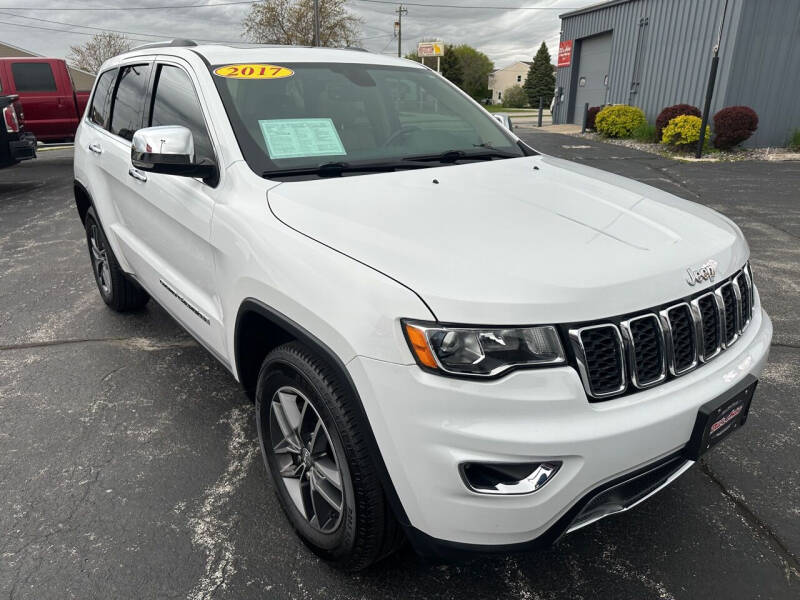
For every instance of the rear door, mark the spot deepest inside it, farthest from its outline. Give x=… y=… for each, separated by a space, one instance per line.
x=46 y=98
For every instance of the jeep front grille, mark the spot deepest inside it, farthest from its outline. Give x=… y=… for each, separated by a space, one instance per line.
x=627 y=354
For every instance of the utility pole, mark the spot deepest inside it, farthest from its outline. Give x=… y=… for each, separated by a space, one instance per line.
x=400 y=12
x=316 y=22
x=712 y=78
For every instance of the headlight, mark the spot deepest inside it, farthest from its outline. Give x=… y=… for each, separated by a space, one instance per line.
x=483 y=352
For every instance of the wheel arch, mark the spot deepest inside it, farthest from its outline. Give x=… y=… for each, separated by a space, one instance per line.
x=83 y=200
x=254 y=319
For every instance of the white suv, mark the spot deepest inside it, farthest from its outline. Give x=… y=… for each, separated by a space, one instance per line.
x=449 y=337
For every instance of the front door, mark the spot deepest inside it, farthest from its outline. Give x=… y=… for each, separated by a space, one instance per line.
x=166 y=219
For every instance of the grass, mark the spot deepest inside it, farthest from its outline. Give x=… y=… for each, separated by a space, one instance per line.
x=645 y=133
x=794 y=140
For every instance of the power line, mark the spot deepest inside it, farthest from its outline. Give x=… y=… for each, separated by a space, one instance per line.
x=62 y=30
x=122 y=31
x=242 y=2
x=421 y=5
x=127 y=8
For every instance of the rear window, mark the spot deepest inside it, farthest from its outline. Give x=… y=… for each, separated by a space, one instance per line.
x=126 y=111
x=98 y=112
x=33 y=77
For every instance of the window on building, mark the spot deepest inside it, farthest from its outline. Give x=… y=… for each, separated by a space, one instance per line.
x=33 y=77
x=499 y=95
x=519 y=78
x=98 y=112
x=126 y=110
x=175 y=102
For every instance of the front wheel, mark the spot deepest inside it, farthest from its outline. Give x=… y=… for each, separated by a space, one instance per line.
x=316 y=454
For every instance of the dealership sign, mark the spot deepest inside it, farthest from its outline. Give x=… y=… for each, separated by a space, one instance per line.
x=430 y=49
x=565 y=53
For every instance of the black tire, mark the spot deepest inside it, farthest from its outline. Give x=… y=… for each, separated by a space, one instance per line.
x=118 y=291
x=366 y=531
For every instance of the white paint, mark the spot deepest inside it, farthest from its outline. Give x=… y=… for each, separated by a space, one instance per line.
x=209 y=528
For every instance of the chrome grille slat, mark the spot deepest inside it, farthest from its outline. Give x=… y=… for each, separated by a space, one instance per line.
x=647 y=349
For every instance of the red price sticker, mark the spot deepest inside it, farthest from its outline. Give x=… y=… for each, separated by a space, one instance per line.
x=258 y=71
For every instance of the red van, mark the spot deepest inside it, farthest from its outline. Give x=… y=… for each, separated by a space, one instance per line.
x=52 y=106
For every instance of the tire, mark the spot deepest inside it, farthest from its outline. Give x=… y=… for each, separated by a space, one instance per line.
x=364 y=530
x=118 y=291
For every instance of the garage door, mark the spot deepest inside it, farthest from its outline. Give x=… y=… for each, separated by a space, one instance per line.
x=592 y=80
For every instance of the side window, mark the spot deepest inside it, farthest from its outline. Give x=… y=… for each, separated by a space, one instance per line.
x=126 y=111
x=98 y=112
x=175 y=102
x=33 y=77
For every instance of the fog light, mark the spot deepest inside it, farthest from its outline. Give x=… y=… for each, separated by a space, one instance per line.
x=507 y=478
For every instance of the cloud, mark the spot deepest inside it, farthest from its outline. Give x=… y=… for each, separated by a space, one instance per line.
x=504 y=35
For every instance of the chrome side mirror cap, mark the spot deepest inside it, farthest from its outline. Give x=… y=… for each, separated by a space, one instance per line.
x=169 y=149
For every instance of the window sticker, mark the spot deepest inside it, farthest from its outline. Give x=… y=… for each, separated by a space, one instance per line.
x=258 y=71
x=294 y=138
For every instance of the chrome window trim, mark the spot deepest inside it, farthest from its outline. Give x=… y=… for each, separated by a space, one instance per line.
x=667 y=327
x=627 y=336
x=699 y=333
x=726 y=343
x=580 y=356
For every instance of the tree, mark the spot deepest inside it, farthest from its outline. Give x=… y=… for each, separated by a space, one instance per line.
x=91 y=55
x=475 y=67
x=291 y=22
x=451 y=66
x=514 y=97
x=541 y=80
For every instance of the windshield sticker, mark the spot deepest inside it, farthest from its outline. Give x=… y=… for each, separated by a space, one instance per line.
x=253 y=72
x=294 y=138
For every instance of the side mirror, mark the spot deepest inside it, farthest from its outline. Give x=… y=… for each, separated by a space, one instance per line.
x=169 y=150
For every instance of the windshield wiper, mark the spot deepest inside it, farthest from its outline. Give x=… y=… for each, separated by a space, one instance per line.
x=336 y=169
x=451 y=156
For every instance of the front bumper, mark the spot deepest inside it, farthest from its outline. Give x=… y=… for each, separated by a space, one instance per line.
x=427 y=425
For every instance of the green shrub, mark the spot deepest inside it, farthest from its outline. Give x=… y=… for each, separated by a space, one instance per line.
x=619 y=120
x=683 y=132
x=515 y=97
x=794 y=140
x=645 y=133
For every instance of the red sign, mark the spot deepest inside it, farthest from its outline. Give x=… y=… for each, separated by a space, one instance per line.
x=565 y=53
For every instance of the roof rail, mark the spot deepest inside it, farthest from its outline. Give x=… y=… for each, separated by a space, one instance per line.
x=172 y=43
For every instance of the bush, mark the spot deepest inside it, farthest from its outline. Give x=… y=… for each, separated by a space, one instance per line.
x=619 y=120
x=645 y=133
x=670 y=112
x=683 y=132
x=514 y=97
x=794 y=140
x=733 y=125
x=591 y=115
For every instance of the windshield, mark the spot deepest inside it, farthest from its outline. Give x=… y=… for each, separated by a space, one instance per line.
x=350 y=115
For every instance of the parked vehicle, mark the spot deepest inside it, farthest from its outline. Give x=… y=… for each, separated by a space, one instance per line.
x=52 y=106
x=448 y=336
x=16 y=144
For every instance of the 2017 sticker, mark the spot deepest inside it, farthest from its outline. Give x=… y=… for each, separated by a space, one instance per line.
x=258 y=71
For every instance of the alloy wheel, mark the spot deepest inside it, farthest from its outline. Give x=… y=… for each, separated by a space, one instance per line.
x=306 y=459
x=102 y=268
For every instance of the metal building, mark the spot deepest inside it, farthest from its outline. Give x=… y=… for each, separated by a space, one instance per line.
x=655 y=53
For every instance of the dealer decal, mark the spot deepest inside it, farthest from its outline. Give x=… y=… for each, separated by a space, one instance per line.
x=258 y=71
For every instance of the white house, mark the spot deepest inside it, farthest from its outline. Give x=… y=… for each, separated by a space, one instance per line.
x=502 y=79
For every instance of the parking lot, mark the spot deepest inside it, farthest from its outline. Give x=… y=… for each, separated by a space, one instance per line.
x=129 y=464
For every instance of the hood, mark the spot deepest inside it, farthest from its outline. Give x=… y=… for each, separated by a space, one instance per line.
x=516 y=241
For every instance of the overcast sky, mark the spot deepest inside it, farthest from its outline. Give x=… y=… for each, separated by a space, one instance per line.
x=504 y=33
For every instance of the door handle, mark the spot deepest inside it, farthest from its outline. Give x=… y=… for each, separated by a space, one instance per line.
x=95 y=148
x=136 y=174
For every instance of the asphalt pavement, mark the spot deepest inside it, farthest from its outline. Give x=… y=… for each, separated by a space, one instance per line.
x=129 y=464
